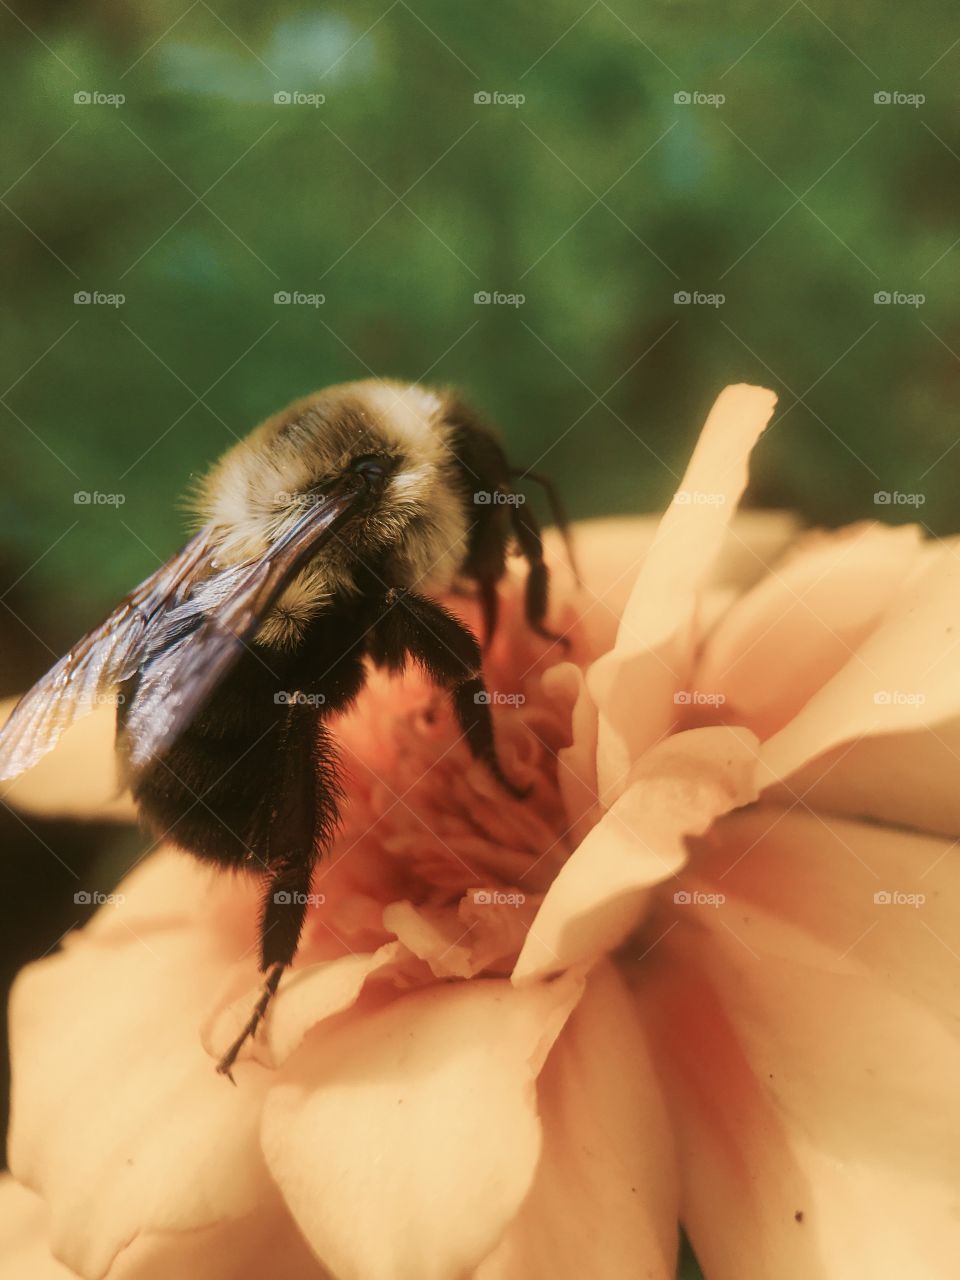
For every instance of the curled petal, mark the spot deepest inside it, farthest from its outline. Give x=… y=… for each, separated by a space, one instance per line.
x=305 y=998
x=654 y=647
x=577 y=764
x=405 y=1140
x=602 y=892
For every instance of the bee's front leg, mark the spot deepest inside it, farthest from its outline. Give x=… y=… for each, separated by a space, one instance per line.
x=415 y=626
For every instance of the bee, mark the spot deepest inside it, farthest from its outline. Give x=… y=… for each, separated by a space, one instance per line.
x=325 y=537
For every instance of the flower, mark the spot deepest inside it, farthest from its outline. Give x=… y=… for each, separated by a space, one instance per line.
x=705 y=974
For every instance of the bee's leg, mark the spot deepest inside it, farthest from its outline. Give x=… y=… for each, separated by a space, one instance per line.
x=298 y=819
x=490 y=607
x=225 y=1065
x=536 y=596
x=413 y=626
x=471 y=706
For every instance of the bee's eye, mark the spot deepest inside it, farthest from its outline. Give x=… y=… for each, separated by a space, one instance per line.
x=372 y=469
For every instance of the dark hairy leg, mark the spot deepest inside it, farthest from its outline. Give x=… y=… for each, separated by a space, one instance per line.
x=527 y=533
x=296 y=820
x=413 y=626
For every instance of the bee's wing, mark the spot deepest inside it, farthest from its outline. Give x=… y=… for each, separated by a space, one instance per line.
x=94 y=667
x=179 y=679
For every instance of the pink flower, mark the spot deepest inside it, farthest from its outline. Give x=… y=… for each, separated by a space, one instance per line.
x=705 y=974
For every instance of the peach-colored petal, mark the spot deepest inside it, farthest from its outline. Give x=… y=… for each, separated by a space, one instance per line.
x=604 y=1201
x=434 y=934
x=405 y=1140
x=905 y=674
x=577 y=764
x=795 y=629
x=654 y=647
x=24 y=1252
x=600 y=895
x=482 y=933
x=607 y=552
x=78 y=778
x=119 y=1119
x=904 y=779
x=263 y=1243
x=306 y=997
x=808 y=1039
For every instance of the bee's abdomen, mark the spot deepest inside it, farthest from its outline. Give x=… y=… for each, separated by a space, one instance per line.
x=214 y=791
x=206 y=794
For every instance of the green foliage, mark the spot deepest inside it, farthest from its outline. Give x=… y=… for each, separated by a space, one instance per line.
x=598 y=199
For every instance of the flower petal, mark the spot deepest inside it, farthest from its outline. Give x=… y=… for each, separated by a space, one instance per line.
x=905 y=674
x=601 y=893
x=605 y=1199
x=577 y=763
x=785 y=638
x=263 y=1243
x=904 y=779
x=654 y=646
x=808 y=1039
x=404 y=1140
x=305 y=998
x=119 y=1118
x=24 y=1252
x=78 y=778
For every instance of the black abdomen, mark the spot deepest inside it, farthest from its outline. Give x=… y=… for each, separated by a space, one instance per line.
x=214 y=791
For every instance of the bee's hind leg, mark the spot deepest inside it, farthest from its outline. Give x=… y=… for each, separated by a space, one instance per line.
x=225 y=1065
x=282 y=915
x=299 y=817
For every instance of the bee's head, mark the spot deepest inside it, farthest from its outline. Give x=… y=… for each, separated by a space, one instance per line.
x=438 y=499
x=396 y=438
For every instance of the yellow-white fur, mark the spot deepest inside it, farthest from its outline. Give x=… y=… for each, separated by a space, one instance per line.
x=256 y=492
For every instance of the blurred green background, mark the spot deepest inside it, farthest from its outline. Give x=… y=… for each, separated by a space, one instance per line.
x=599 y=198
x=828 y=174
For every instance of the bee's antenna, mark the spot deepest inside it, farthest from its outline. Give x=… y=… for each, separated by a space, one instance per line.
x=557 y=511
